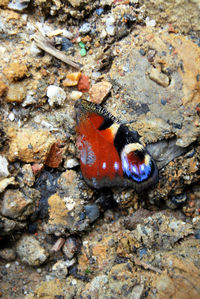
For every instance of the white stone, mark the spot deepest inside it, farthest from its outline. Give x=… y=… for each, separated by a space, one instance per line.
x=11 y=116
x=3 y=167
x=71 y=163
x=56 y=95
x=34 y=50
x=150 y=23
x=66 y=33
x=75 y=95
x=110 y=28
x=85 y=28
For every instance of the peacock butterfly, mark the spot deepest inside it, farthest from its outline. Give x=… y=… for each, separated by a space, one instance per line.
x=110 y=154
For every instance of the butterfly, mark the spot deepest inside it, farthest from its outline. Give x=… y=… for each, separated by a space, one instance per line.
x=110 y=154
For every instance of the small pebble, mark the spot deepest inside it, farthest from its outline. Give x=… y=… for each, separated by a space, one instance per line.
x=110 y=28
x=71 y=163
x=84 y=83
x=11 y=116
x=67 y=34
x=56 y=95
x=3 y=167
x=163 y=102
x=66 y=44
x=85 y=28
x=83 y=52
x=82 y=45
x=92 y=212
x=34 y=50
x=99 y=11
x=18 y=5
x=142 y=52
x=75 y=95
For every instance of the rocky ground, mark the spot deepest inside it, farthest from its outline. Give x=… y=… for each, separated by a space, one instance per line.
x=58 y=237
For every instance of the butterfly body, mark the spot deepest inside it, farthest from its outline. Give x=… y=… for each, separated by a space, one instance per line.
x=110 y=154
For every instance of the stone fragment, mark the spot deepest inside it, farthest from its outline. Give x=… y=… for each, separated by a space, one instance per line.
x=3 y=166
x=6 y=182
x=110 y=27
x=70 y=247
x=34 y=50
x=159 y=77
x=16 y=93
x=57 y=213
x=92 y=212
x=3 y=88
x=72 y=79
x=58 y=245
x=8 y=226
x=27 y=176
x=55 y=156
x=85 y=28
x=77 y=3
x=84 y=84
x=99 y=91
x=75 y=95
x=16 y=205
x=8 y=254
x=30 y=251
x=37 y=168
x=71 y=163
x=60 y=269
x=55 y=33
x=15 y=71
x=56 y=95
x=29 y=145
x=18 y=5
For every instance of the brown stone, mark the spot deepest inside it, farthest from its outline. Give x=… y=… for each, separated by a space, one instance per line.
x=29 y=145
x=16 y=93
x=55 y=156
x=57 y=211
x=15 y=71
x=84 y=84
x=99 y=91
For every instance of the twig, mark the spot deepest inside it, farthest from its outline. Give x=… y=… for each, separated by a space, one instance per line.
x=44 y=43
x=146 y=266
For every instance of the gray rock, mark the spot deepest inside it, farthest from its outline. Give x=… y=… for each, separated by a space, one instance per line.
x=92 y=212
x=18 y=5
x=8 y=254
x=85 y=28
x=8 y=226
x=30 y=251
x=16 y=205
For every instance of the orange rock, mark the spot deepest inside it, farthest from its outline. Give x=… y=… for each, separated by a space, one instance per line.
x=84 y=83
x=15 y=71
x=72 y=79
x=55 y=156
x=29 y=145
x=3 y=88
x=99 y=91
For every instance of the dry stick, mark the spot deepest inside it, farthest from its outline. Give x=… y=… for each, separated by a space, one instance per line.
x=146 y=266
x=45 y=45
